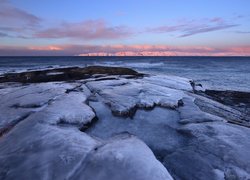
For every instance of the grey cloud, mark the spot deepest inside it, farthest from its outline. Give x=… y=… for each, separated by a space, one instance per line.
x=190 y=28
x=206 y=29
x=88 y=30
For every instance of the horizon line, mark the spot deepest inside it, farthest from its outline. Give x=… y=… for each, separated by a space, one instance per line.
x=118 y=56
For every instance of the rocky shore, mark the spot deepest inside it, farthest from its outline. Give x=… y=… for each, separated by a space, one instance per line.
x=114 y=123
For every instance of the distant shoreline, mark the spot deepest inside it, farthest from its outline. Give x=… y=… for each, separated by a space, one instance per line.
x=124 y=56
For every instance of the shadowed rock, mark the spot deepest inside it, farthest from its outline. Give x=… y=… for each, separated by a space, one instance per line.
x=230 y=98
x=235 y=99
x=66 y=74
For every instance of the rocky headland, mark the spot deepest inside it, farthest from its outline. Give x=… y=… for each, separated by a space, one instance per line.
x=113 y=123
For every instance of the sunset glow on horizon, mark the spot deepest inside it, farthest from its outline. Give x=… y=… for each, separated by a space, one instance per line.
x=125 y=28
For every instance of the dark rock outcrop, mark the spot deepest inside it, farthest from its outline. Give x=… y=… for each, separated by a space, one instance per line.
x=231 y=98
x=235 y=99
x=66 y=74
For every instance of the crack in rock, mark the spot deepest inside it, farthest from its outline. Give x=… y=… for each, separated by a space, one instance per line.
x=12 y=124
x=86 y=126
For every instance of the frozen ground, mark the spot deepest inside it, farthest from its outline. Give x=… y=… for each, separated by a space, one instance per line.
x=120 y=127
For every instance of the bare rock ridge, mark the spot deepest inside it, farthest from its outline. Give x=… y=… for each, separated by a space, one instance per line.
x=108 y=123
x=65 y=74
x=239 y=100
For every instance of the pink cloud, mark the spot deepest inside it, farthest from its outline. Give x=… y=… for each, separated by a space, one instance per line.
x=45 y=48
x=126 y=50
x=17 y=23
x=88 y=30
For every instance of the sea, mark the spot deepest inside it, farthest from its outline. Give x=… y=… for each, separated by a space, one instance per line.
x=220 y=73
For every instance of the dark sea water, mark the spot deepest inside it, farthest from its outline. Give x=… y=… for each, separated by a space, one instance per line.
x=232 y=73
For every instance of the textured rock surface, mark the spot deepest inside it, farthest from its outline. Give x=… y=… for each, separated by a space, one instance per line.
x=65 y=74
x=119 y=126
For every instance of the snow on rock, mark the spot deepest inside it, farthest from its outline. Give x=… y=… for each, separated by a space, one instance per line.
x=212 y=147
x=124 y=96
x=40 y=151
x=167 y=135
x=197 y=115
x=21 y=101
x=157 y=125
x=122 y=157
x=169 y=81
x=204 y=146
x=67 y=109
x=54 y=73
x=44 y=151
x=34 y=94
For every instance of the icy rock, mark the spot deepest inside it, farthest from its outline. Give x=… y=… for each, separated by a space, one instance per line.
x=187 y=131
x=122 y=157
x=220 y=110
x=68 y=109
x=39 y=151
x=21 y=101
x=169 y=81
x=212 y=147
x=43 y=151
x=157 y=125
x=35 y=94
x=197 y=115
x=124 y=97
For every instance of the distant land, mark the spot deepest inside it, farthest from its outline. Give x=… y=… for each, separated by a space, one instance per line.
x=129 y=53
x=155 y=53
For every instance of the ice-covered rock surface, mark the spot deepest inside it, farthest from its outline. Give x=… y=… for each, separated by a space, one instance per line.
x=121 y=126
x=124 y=96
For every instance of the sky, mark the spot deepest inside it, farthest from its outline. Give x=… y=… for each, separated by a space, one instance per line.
x=130 y=27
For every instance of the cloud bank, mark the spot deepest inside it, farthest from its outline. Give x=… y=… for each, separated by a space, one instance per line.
x=124 y=50
x=87 y=30
x=17 y=23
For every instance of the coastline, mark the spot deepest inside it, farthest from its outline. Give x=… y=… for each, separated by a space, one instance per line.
x=222 y=73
